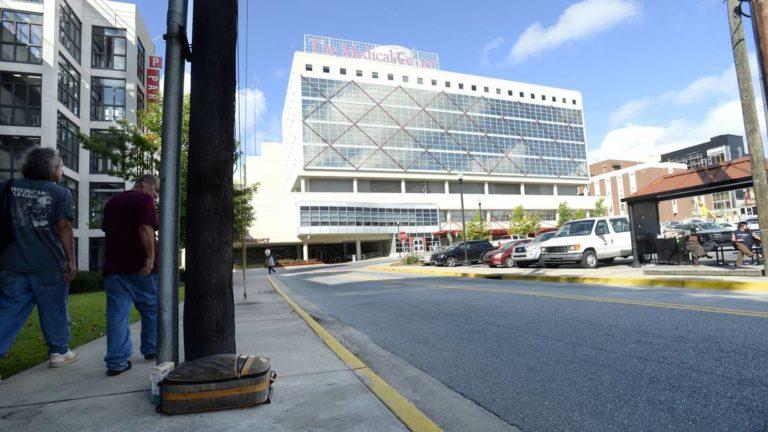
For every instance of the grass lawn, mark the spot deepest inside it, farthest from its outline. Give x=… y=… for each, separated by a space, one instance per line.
x=87 y=312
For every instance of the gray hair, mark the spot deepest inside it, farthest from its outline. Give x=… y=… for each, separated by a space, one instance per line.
x=147 y=178
x=40 y=163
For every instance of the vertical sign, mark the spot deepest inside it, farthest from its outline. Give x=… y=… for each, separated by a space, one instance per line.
x=153 y=77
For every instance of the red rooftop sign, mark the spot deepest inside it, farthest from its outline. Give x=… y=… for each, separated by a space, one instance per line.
x=361 y=50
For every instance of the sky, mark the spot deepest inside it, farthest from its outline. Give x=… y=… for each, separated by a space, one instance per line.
x=655 y=75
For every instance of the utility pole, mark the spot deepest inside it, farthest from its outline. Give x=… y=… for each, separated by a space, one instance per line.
x=760 y=27
x=209 y=309
x=463 y=219
x=749 y=112
x=176 y=51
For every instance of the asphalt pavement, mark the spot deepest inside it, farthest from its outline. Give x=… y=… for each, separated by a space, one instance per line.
x=562 y=357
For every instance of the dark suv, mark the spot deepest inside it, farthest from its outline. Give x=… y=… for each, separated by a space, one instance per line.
x=454 y=254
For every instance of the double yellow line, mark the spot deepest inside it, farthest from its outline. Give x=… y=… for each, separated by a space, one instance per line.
x=404 y=409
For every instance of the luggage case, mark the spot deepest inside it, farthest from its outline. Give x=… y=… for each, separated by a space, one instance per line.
x=217 y=382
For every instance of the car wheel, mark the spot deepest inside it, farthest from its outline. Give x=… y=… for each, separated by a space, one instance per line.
x=589 y=260
x=509 y=262
x=450 y=261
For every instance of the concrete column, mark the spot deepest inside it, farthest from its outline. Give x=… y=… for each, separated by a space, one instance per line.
x=305 y=250
x=446 y=187
x=554 y=189
x=402 y=186
x=522 y=188
x=358 y=250
x=303 y=184
x=485 y=186
x=354 y=185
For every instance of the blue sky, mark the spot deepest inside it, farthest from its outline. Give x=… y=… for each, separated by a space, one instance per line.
x=655 y=74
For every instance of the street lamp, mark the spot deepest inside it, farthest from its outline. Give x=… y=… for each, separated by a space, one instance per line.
x=463 y=217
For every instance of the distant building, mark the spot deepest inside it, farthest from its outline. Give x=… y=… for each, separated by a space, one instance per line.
x=616 y=179
x=376 y=137
x=722 y=148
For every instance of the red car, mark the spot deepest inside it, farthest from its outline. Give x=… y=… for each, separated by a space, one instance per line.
x=503 y=255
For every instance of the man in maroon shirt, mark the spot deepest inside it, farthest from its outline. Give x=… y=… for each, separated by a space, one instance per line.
x=130 y=264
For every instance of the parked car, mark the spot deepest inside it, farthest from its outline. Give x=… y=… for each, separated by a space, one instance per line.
x=454 y=253
x=529 y=254
x=506 y=239
x=588 y=242
x=502 y=256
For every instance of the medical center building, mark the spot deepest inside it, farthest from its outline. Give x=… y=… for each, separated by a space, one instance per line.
x=376 y=139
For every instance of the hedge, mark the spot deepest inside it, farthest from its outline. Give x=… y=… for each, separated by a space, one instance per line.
x=86 y=281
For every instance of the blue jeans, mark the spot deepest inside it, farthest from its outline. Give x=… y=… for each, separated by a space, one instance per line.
x=19 y=293
x=122 y=291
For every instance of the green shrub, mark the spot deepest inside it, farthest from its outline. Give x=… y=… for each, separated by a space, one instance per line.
x=86 y=281
x=411 y=259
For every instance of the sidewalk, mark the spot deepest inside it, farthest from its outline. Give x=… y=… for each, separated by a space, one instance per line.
x=314 y=390
x=616 y=275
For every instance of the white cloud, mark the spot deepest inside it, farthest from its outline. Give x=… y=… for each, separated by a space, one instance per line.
x=644 y=142
x=187 y=83
x=490 y=46
x=629 y=110
x=580 y=20
x=250 y=106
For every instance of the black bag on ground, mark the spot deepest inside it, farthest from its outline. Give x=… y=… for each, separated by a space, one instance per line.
x=217 y=382
x=6 y=226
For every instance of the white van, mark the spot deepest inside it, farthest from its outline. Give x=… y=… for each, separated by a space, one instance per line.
x=588 y=242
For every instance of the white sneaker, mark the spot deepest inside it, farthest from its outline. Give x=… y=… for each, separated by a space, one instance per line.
x=59 y=360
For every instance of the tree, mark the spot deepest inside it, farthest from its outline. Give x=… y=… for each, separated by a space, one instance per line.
x=209 y=309
x=564 y=213
x=521 y=223
x=579 y=214
x=244 y=211
x=600 y=208
x=477 y=230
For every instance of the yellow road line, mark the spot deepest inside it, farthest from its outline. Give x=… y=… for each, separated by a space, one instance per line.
x=404 y=409
x=716 y=284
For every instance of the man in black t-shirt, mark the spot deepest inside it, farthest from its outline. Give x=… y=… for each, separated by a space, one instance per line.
x=743 y=239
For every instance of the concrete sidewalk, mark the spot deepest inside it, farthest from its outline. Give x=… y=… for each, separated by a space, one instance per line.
x=619 y=274
x=314 y=390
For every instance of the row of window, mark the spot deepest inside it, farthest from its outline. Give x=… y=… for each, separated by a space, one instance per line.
x=367 y=216
x=20 y=96
x=447 y=84
x=493 y=215
x=329 y=185
x=21 y=40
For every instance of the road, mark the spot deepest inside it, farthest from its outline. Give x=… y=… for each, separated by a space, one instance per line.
x=565 y=357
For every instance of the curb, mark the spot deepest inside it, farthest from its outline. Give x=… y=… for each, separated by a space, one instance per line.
x=401 y=407
x=719 y=284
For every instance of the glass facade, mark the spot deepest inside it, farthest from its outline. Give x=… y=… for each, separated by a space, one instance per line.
x=367 y=216
x=70 y=30
x=12 y=150
x=362 y=126
x=20 y=99
x=69 y=86
x=22 y=37
x=67 y=142
x=107 y=99
x=109 y=48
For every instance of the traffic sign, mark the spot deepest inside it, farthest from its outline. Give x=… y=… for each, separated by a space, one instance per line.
x=403 y=236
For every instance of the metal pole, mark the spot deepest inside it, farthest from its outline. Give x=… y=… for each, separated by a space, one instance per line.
x=749 y=112
x=760 y=27
x=463 y=219
x=242 y=239
x=168 y=266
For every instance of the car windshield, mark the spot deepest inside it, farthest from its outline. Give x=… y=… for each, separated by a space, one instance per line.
x=543 y=236
x=576 y=228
